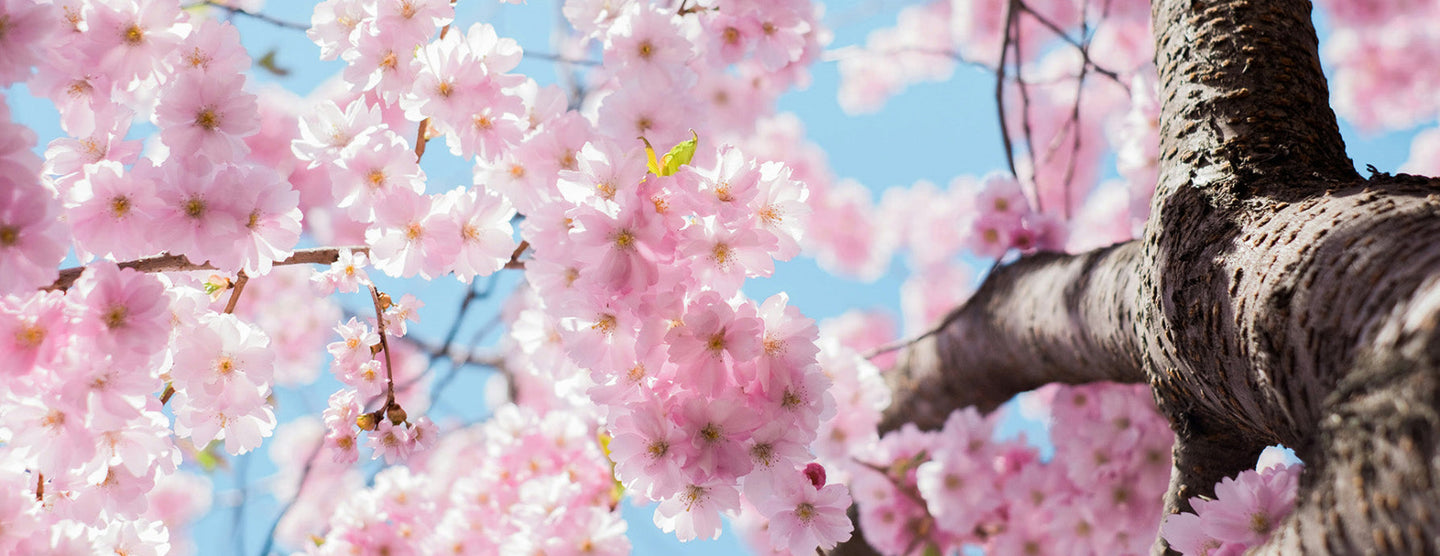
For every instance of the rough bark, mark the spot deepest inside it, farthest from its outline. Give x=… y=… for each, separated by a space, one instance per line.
x=1276 y=296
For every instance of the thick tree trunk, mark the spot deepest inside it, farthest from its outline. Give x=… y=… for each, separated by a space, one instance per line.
x=1276 y=296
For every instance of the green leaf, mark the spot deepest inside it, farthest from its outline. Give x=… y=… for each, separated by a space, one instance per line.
x=267 y=62
x=210 y=458
x=679 y=154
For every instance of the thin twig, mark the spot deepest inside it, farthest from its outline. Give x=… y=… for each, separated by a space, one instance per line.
x=178 y=263
x=558 y=58
x=257 y=16
x=421 y=139
x=1000 y=91
x=471 y=294
x=237 y=523
x=239 y=286
x=515 y=261
x=385 y=347
x=1083 y=48
x=1025 y=111
x=839 y=54
x=899 y=344
x=299 y=489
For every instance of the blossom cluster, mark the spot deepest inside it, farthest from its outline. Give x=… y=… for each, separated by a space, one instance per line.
x=520 y=483
x=86 y=446
x=1100 y=493
x=644 y=368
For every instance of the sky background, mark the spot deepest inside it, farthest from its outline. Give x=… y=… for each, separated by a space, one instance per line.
x=932 y=131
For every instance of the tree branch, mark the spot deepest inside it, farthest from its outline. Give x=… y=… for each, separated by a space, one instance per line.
x=1244 y=105
x=1371 y=483
x=178 y=263
x=1045 y=318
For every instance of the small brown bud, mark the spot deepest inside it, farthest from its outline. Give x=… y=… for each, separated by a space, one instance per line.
x=385 y=301
x=396 y=414
x=367 y=421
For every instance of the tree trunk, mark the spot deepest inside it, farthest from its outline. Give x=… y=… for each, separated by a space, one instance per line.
x=1276 y=296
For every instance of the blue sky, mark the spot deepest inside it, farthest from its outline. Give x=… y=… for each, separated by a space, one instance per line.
x=933 y=131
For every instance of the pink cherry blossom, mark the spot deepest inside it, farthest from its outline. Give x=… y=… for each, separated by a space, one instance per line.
x=695 y=511
x=804 y=516
x=713 y=338
x=647 y=43
x=28 y=30
x=128 y=38
x=128 y=309
x=32 y=236
x=649 y=451
x=212 y=48
x=208 y=115
x=375 y=165
x=34 y=330
x=486 y=237
x=346 y=274
x=333 y=25
x=411 y=237
x=391 y=441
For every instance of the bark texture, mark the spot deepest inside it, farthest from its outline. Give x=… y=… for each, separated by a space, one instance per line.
x=1047 y=318
x=1276 y=296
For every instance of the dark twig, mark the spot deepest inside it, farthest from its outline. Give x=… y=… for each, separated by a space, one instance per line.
x=385 y=347
x=1083 y=47
x=560 y=59
x=299 y=490
x=1000 y=73
x=1025 y=110
x=253 y=15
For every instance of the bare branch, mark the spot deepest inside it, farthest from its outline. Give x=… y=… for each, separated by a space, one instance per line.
x=1083 y=45
x=178 y=263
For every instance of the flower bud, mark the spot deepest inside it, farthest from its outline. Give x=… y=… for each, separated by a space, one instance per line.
x=396 y=414
x=367 y=421
x=816 y=473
